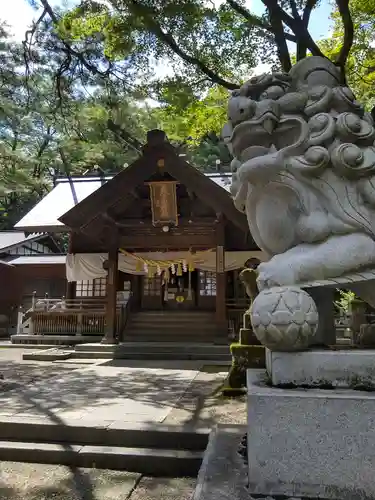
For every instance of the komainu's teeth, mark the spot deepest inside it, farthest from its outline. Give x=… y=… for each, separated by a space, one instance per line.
x=269 y=125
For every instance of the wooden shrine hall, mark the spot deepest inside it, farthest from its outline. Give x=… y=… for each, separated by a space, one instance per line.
x=159 y=246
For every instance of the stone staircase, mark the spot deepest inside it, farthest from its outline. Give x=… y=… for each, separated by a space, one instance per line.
x=169 y=351
x=174 y=326
x=151 y=450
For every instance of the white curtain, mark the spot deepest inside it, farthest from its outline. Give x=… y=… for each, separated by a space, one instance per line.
x=88 y=266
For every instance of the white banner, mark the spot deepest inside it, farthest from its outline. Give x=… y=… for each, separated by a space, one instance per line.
x=88 y=266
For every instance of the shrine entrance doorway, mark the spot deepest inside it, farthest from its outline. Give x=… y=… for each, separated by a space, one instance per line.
x=171 y=291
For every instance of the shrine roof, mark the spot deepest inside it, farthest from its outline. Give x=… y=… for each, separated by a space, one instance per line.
x=67 y=193
x=9 y=239
x=75 y=202
x=64 y=196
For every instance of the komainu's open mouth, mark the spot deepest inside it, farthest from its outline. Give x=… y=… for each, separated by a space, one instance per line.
x=256 y=132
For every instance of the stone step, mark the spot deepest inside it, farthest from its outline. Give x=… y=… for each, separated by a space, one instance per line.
x=149 y=323
x=183 y=339
x=10 y=345
x=172 y=319
x=53 y=354
x=197 y=332
x=174 y=336
x=125 y=435
x=148 y=461
x=171 y=327
x=50 y=339
x=155 y=450
x=156 y=356
x=171 y=313
x=156 y=347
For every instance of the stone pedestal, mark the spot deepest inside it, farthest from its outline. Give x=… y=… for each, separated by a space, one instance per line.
x=322 y=368
x=310 y=443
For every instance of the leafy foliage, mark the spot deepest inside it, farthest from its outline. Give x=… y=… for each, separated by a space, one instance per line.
x=80 y=93
x=44 y=134
x=360 y=66
x=346 y=297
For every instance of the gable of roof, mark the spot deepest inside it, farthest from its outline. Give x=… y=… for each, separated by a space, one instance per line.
x=13 y=239
x=142 y=169
x=67 y=193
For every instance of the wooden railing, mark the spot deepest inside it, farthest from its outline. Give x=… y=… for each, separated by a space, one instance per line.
x=47 y=304
x=82 y=322
x=82 y=316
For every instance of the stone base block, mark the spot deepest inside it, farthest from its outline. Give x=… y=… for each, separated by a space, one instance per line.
x=322 y=368
x=49 y=339
x=247 y=337
x=310 y=443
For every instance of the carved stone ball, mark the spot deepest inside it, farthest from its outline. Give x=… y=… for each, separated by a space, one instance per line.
x=284 y=318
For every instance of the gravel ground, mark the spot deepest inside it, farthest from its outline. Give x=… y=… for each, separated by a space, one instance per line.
x=156 y=488
x=20 y=481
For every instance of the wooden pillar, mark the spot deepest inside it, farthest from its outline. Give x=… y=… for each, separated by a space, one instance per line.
x=71 y=286
x=110 y=317
x=221 y=277
x=221 y=282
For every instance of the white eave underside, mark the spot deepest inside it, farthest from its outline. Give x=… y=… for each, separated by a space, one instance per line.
x=37 y=259
x=65 y=195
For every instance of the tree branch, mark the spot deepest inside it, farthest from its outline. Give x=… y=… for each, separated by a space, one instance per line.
x=43 y=146
x=27 y=42
x=343 y=7
x=15 y=140
x=282 y=47
x=149 y=16
x=125 y=136
x=296 y=25
x=310 y=5
x=301 y=47
x=255 y=20
x=69 y=49
x=68 y=174
x=294 y=8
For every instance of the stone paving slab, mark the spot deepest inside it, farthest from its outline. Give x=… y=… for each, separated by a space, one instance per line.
x=223 y=475
x=104 y=392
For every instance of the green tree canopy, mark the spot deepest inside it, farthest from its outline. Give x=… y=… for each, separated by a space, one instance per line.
x=360 y=65
x=184 y=53
x=47 y=131
x=76 y=94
